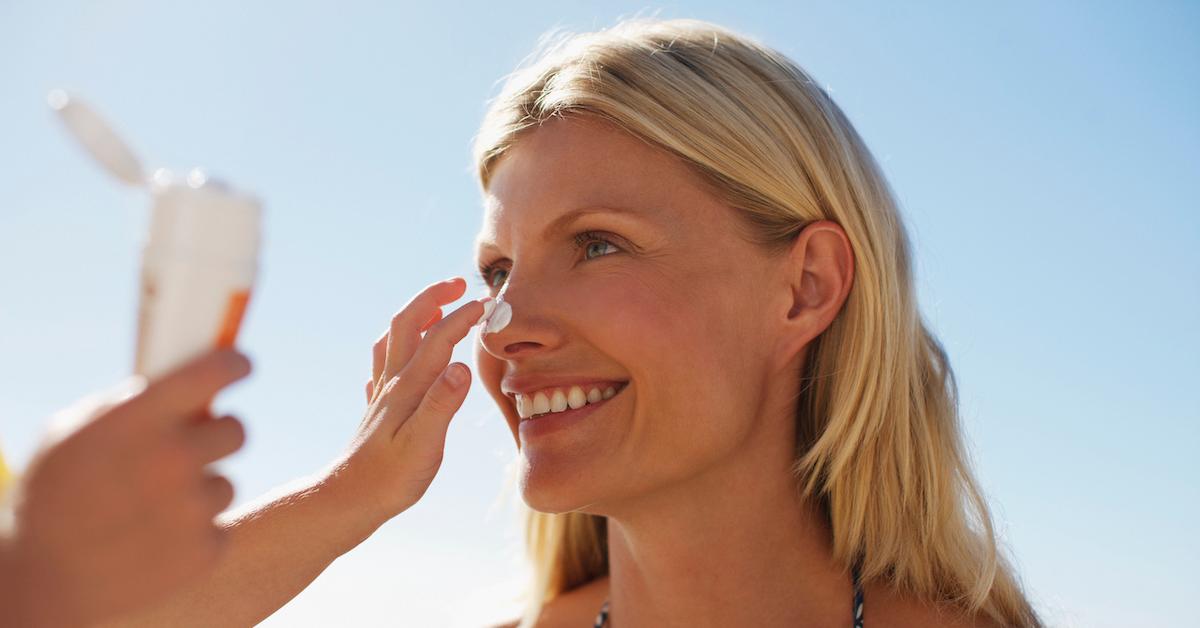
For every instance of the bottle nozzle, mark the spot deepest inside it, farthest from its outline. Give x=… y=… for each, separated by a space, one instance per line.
x=97 y=137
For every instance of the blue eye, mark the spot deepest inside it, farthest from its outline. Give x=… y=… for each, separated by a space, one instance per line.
x=587 y=241
x=491 y=277
x=598 y=247
x=594 y=245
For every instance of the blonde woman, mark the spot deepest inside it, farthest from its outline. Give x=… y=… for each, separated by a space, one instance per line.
x=727 y=408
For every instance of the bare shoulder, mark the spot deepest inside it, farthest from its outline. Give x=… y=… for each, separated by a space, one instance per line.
x=884 y=607
x=575 y=608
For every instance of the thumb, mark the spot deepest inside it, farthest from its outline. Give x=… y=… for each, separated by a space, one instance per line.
x=432 y=417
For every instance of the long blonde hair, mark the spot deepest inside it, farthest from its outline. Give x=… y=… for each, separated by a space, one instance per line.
x=879 y=443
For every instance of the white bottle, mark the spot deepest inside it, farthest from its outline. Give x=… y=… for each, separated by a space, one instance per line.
x=200 y=258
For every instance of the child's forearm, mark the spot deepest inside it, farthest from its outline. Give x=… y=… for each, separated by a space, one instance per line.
x=277 y=546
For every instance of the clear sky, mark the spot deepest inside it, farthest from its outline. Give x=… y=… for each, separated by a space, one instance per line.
x=1046 y=155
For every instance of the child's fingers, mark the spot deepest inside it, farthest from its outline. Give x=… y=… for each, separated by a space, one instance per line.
x=179 y=394
x=405 y=332
x=428 y=424
x=433 y=354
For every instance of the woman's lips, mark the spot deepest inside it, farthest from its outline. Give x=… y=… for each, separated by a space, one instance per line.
x=545 y=424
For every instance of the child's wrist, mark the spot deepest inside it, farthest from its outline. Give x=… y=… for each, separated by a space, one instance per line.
x=353 y=511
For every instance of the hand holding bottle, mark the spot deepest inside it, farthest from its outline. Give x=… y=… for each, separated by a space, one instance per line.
x=117 y=511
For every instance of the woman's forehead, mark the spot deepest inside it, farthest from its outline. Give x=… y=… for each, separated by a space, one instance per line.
x=584 y=161
x=574 y=165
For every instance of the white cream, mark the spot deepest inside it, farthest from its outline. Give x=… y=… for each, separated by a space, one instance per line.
x=500 y=318
x=499 y=315
x=489 y=304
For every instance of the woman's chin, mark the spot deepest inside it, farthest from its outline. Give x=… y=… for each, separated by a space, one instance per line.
x=556 y=490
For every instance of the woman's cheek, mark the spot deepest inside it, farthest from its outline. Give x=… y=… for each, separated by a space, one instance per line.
x=491 y=371
x=647 y=312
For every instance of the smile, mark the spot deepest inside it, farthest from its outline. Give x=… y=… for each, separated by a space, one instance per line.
x=564 y=399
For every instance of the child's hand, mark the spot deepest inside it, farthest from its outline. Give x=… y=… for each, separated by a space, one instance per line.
x=117 y=511
x=411 y=398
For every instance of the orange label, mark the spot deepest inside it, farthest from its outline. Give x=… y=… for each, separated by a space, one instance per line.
x=233 y=319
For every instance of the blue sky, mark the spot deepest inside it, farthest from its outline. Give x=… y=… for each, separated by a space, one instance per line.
x=1046 y=156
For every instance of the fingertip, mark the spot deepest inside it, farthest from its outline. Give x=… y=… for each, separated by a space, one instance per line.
x=229 y=363
x=460 y=285
x=458 y=375
x=237 y=430
x=225 y=490
x=238 y=363
x=453 y=282
x=221 y=493
x=489 y=305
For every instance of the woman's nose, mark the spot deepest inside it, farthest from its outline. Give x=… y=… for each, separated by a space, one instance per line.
x=510 y=332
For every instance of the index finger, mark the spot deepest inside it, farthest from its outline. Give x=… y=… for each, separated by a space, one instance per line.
x=435 y=352
x=179 y=394
x=420 y=313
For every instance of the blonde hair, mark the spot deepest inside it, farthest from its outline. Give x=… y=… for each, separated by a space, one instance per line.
x=879 y=445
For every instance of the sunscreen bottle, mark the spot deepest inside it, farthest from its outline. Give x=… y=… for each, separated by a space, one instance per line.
x=200 y=257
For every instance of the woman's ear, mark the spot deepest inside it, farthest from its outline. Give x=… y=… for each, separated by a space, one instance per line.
x=819 y=270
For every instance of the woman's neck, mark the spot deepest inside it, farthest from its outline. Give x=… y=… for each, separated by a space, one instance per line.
x=733 y=546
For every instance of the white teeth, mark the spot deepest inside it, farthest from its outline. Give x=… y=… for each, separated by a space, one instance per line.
x=576 y=399
x=558 y=402
x=541 y=404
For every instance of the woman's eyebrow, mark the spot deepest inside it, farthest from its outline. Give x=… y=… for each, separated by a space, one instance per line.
x=563 y=222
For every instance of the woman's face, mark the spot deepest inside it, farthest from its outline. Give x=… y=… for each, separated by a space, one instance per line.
x=622 y=268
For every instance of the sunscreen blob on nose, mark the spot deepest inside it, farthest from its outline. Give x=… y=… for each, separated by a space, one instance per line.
x=500 y=313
